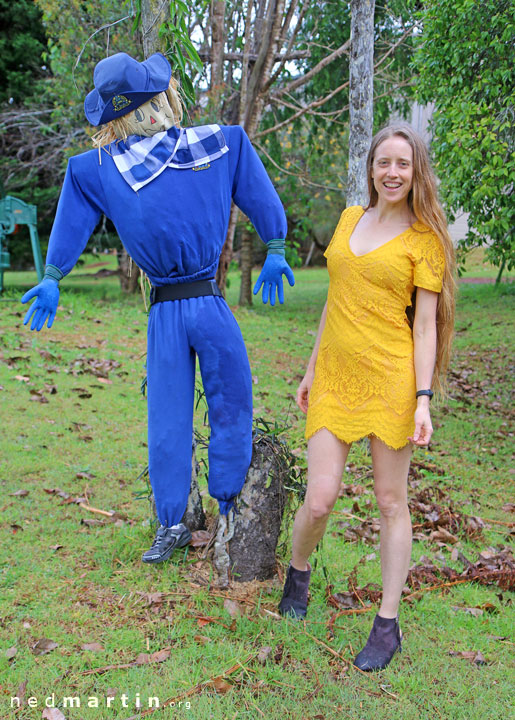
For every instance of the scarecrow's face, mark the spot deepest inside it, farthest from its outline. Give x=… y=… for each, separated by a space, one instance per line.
x=152 y=117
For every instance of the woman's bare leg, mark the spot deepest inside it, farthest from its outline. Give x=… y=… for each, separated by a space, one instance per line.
x=326 y=462
x=391 y=488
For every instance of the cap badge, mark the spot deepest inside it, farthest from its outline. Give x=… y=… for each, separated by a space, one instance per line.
x=120 y=102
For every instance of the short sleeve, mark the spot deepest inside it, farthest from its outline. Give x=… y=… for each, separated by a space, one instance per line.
x=349 y=215
x=429 y=261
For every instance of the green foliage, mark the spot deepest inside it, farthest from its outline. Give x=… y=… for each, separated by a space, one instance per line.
x=47 y=125
x=22 y=43
x=181 y=53
x=80 y=33
x=465 y=62
x=329 y=26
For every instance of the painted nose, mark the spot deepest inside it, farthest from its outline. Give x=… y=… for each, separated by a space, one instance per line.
x=152 y=121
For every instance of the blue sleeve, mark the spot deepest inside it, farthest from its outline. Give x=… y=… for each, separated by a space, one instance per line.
x=252 y=189
x=78 y=212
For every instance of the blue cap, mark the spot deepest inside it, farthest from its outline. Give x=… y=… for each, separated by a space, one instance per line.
x=122 y=84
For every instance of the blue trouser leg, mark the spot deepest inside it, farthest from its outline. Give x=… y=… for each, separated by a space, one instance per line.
x=171 y=382
x=227 y=381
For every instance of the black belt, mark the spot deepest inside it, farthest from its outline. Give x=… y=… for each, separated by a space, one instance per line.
x=182 y=291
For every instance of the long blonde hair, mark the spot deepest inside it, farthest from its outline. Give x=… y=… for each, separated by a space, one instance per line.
x=424 y=204
x=118 y=129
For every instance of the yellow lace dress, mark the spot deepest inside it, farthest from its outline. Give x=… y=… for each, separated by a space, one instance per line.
x=365 y=377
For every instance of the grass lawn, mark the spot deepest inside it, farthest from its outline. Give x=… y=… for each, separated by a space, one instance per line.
x=82 y=617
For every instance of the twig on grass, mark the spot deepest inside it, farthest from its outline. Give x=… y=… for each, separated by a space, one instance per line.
x=499 y=522
x=347 y=514
x=106 y=513
x=437 y=587
x=333 y=652
x=195 y=689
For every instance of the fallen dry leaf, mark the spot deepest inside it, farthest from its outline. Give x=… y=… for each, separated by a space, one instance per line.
x=232 y=608
x=10 y=652
x=351 y=490
x=475 y=656
x=37 y=396
x=263 y=654
x=52 y=714
x=476 y=612
x=92 y=522
x=202 y=639
x=159 y=656
x=19 y=493
x=92 y=647
x=21 y=692
x=200 y=538
x=205 y=621
x=219 y=685
x=443 y=535
x=43 y=646
x=22 y=378
x=85 y=476
x=56 y=547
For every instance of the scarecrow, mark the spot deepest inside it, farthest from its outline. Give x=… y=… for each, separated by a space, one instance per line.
x=168 y=191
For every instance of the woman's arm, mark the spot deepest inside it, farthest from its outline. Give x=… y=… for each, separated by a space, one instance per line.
x=307 y=380
x=424 y=341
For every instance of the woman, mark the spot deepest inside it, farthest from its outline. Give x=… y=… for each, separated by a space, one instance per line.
x=371 y=370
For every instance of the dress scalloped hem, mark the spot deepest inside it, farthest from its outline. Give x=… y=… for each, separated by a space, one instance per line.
x=360 y=436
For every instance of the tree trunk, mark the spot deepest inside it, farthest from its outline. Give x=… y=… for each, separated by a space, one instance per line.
x=360 y=98
x=246 y=269
x=217 y=44
x=226 y=254
x=129 y=272
x=251 y=101
x=153 y=14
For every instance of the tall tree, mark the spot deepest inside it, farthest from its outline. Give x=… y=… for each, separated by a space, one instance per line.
x=286 y=80
x=361 y=109
x=22 y=45
x=465 y=65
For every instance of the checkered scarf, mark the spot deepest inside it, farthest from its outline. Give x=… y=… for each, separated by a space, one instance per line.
x=141 y=159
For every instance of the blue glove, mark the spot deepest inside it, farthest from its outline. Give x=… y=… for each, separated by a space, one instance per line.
x=47 y=299
x=270 y=277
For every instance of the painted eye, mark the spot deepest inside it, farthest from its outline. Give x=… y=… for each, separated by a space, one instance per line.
x=154 y=106
x=139 y=115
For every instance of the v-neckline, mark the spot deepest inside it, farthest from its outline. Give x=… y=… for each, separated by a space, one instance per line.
x=379 y=246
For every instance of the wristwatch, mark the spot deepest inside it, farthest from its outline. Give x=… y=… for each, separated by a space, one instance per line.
x=429 y=393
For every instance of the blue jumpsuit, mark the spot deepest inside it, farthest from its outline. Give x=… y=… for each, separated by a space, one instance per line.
x=174 y=229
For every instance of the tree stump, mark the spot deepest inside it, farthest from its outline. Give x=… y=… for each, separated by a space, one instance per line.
x=194 y=517
x=252 y=531
x=246 y=539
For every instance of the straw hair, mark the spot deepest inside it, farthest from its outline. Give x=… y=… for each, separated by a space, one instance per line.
x=424 y=204
x=118 y=129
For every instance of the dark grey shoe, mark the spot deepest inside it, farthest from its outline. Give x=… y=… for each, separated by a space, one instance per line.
x=294 y=602
x=383 y=642
x=165 y=542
